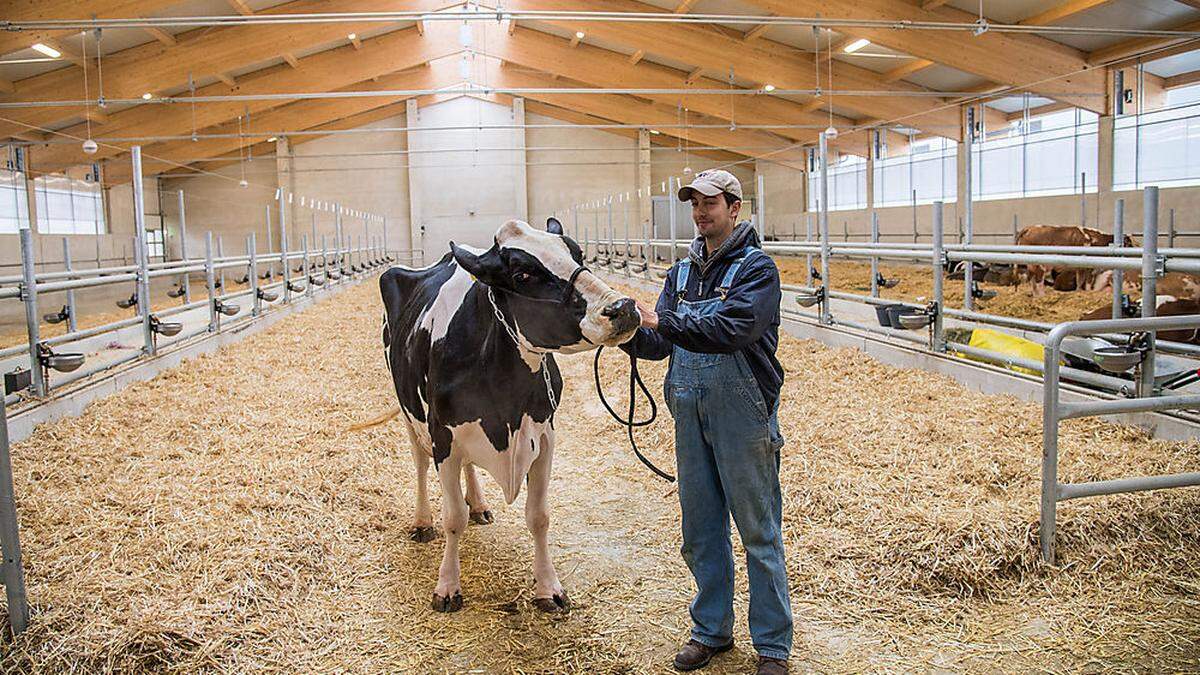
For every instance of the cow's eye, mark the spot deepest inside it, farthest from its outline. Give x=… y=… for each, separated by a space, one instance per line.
x=522 y=276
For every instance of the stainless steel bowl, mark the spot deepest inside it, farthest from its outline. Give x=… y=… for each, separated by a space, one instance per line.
x=916 y=321
x=807 y=299
x=1117 y=359
x=63 y=363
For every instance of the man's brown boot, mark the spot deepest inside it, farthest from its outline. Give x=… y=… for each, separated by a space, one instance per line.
x=770 y=666
x=695 y=655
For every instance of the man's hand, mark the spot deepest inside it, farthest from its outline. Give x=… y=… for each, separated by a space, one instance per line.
x=649 y=316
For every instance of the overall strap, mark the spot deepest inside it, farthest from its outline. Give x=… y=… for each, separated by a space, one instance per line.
x=681 y=277
x=734 y=268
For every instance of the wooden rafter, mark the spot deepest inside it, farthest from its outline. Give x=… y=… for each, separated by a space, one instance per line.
x=900 y=72
x=226 y=78
x=684 y=6
x=635 y=57
x=694 y=75
x=1182 y=79
x=760 y=61
x=161 y=35
x=932 y=4
x=291 y=60
x=1040 y=110
x=240 y=7
x=576 y=37
x=35 y=10
x=1013 y=59
x=324 y=71
x=129 y=72
x=1128 y=49
x=1061 y=11
x=355 y=41
x=6 y=86
x=755 y=32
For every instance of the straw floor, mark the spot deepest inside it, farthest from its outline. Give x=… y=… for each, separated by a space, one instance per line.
x=916 y=284
x=221 y=518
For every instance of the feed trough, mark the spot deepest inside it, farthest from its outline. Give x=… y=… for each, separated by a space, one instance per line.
x=177 y=291
x=977 y=292
x=226 y=309
x=244 y=279
x=266 y=296
x=126 y=303
x=316 y=280
x=1117 y=359
x=295 y=287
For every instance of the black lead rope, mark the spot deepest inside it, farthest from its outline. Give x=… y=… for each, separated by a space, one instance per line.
x=635 y=379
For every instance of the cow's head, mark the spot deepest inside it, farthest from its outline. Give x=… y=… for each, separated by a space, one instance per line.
x=554 y=307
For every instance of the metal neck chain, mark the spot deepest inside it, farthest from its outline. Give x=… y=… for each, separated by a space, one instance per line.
x=512 y=333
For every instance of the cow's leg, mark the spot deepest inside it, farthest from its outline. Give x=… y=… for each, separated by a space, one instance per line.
x=447 y=595
x=422 y=529
x=548 y=593
x=480 y=513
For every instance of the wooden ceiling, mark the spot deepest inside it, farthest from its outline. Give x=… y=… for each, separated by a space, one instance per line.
x=321 y=57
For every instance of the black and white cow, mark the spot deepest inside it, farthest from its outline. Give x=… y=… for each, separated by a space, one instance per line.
x=469 y=342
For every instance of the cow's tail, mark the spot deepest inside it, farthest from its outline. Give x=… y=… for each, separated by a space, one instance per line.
x=376 y=420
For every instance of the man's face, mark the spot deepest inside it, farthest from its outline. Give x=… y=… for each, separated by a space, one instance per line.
x=713 y=217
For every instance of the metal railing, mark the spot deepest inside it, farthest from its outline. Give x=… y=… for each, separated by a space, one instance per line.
x=1054 y=411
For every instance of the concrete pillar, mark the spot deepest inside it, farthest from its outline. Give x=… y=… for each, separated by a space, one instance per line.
x=412 y=118
x=1104 y=158
x=520 y=170
x=645 y=207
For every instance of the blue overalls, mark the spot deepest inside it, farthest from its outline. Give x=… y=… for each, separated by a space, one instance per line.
x=727 y=451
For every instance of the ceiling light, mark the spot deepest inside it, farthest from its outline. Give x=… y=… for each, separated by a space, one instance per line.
x=831 y=132
x=48 y=51
x=769 y=87
x=352 y=36
x=655 y=132
x=856 y=45
x=579 y=34
x=147 y=96
x=272 y=139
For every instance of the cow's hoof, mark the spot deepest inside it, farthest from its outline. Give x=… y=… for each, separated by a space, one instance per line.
x=422 y=534
x=482 y=517
x=443 y=603
x=559 y=603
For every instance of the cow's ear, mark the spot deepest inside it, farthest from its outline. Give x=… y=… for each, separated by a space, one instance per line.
x=487 y=266
x=553 y=226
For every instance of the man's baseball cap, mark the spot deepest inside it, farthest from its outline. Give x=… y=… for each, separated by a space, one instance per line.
x=710 y=184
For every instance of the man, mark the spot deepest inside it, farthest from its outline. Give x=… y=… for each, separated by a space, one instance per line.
x=718 y=320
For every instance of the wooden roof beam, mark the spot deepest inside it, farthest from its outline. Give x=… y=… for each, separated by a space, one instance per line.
x=755 y=32
x=1128 y=49
x=240 y=7
x=37 y=10
x=1061 y=11
x=1181 y=80
x=635 y=57
x=129 y=72
x=1016 y=60
x=291 y=60
x=685 y=6
x=900 y=72
x=161 y=35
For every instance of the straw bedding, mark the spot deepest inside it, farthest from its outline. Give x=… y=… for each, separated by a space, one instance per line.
x=916 y=284
x=221 y=518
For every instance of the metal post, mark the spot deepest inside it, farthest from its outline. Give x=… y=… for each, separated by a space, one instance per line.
x=1118 y=275
x=337 y=243
x=823 y=217
x=583 y=242
x=1149 y=284
x=29 y=295
x=14 y=575
x=1015 y=230
x=937 y=343
x=308 y=287
x=969 y=220
x=1171 y=230
x=187 y=287
x=612 y=244
x=914 y=216
x=283 y=248
x=625 y=224
x=671 y=218
x=808 y=235
x=1083 y=199
x=210 y=282
x=270 y=247
x=383 y=244
x=1049 y=510
x=325 y=262
x=71 y=325
x=252 y=273
x=874 y=259
x=141 y=253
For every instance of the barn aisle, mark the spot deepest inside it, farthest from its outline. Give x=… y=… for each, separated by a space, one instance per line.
x=221 y=517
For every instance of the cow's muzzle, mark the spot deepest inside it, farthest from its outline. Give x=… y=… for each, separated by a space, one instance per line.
x=623 y=315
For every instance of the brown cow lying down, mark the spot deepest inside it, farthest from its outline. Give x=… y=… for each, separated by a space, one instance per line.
x=1063 y=235
x=1167 y=307
x=1174 y=284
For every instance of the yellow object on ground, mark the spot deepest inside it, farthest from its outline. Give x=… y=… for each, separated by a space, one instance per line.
x=1003 y=343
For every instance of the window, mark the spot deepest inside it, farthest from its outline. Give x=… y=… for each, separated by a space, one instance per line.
x=930 y=168
x=154 y=242
x=1161 y=147
x=1048 y=155
x=69 y=205
x=14 y=207
x=847 y=184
